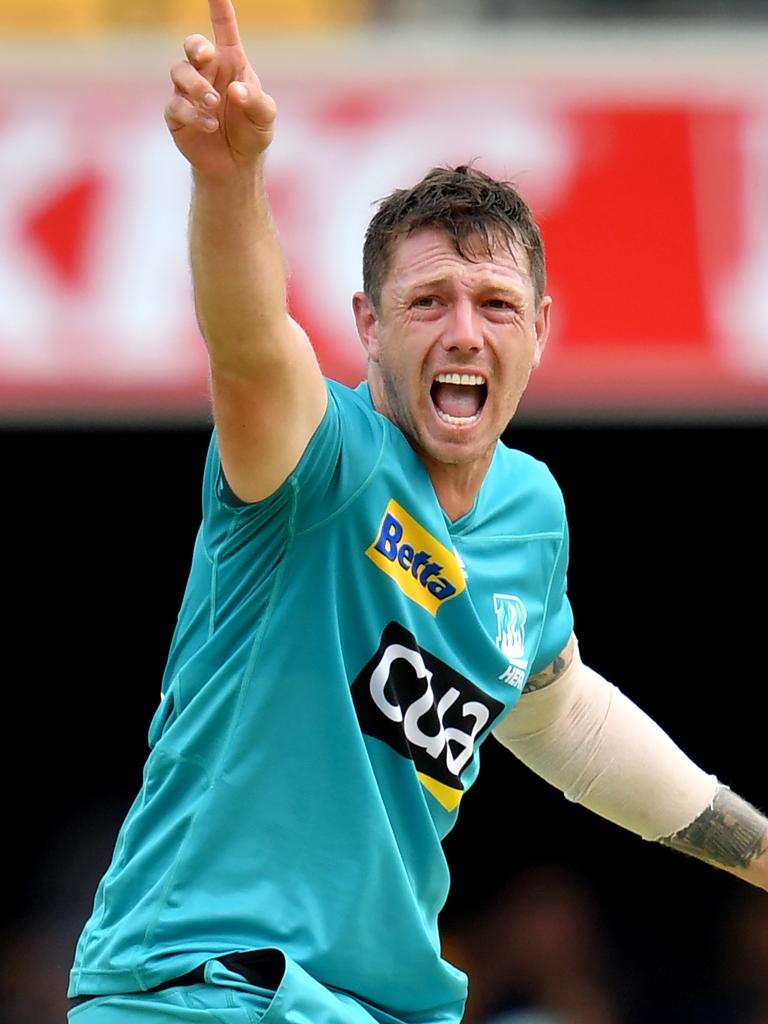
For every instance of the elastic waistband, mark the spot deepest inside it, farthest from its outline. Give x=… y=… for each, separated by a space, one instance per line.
x=195 y=977
x=262 y=967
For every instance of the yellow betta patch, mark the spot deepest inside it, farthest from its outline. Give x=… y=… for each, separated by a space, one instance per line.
x=423 y=568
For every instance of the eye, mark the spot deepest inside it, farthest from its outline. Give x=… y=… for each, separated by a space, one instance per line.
x=424 y=302
x=498 y=304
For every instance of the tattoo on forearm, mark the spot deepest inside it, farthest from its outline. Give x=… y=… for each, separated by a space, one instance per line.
x=730 y=833
x=554 y=670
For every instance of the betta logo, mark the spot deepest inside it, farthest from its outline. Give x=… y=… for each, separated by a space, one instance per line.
x=423 y=709
x=424 y=569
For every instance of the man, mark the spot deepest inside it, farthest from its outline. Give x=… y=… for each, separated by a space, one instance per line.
x=375 y=582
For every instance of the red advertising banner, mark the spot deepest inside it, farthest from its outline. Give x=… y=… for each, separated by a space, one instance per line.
x=654 y=209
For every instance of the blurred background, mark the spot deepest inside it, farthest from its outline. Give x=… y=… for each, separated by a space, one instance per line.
x=638 y=130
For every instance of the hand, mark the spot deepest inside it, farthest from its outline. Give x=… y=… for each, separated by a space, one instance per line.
x=220 y=117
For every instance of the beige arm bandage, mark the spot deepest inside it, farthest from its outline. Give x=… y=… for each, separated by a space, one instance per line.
x=582 y=735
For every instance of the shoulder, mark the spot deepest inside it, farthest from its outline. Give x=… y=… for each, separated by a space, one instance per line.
x=354 y=410
x=337 y=460
x=524 y=466
x=523 y=491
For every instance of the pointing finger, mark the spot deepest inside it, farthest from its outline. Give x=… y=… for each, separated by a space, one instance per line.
x=224 y=21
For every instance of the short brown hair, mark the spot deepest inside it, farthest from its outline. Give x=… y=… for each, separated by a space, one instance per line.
x=477 y=213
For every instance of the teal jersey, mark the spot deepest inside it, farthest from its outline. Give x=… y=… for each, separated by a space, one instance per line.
x=341 y=652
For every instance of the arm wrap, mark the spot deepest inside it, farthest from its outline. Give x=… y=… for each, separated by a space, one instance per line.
x=582 y=735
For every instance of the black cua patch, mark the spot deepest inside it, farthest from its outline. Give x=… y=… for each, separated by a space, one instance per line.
x=421 y=707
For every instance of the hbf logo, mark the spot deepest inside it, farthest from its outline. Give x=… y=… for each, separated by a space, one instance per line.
x=424 y=569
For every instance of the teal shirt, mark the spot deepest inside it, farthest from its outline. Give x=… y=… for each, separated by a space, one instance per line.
x=342 y=650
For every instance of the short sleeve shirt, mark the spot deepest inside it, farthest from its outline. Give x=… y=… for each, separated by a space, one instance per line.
x=341 y=652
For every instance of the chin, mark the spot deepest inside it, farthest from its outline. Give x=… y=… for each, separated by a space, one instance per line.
x=459 y=450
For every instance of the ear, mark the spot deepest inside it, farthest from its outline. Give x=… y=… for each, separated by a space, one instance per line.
x=541 y=327
x=367 y=323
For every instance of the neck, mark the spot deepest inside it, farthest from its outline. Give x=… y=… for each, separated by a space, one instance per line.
x=456 y=485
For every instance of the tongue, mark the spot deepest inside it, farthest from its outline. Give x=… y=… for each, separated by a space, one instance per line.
x=460 y=400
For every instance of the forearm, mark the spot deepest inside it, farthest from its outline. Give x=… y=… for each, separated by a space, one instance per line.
x=238 y=271
x=730 y=834
x=584 y=736
x=581 y=734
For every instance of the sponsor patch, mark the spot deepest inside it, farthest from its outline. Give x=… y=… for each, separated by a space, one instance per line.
x=423 y=709
x=424 y=569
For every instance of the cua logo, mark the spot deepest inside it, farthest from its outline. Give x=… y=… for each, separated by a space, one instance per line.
x=412 y=701
x=424 y=569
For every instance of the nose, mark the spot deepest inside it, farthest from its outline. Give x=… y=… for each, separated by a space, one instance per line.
x=463 y=329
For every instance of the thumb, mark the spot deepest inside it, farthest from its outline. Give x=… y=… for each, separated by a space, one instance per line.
x=258 y=107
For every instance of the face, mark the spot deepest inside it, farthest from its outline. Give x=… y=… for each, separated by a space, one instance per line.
x=452 y=346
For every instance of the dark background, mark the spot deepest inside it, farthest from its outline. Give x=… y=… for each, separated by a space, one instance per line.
x=667 y=581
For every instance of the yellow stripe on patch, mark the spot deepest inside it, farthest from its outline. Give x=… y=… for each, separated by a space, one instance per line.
x=446 y=795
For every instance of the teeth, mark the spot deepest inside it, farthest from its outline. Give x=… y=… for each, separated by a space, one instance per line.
x=460 y=378
x=458 y=421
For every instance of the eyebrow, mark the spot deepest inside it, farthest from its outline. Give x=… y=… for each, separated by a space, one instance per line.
x=493 y=285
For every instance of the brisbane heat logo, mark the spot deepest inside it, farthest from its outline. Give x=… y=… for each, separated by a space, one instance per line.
x=511 y=616
x=423 y=568
x=423 y=709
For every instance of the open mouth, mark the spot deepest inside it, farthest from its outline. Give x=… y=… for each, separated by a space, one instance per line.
x=459 y=398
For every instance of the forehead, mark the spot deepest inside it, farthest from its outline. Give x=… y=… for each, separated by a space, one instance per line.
x=428 y=254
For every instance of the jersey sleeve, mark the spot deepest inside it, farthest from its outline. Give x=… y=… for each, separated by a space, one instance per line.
x=337 y=462
x=558 y=616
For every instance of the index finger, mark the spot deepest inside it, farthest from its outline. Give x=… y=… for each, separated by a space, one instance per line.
x=224 y=22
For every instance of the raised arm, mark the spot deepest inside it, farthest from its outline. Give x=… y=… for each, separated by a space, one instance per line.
x=268 y=392
x=584 y=736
